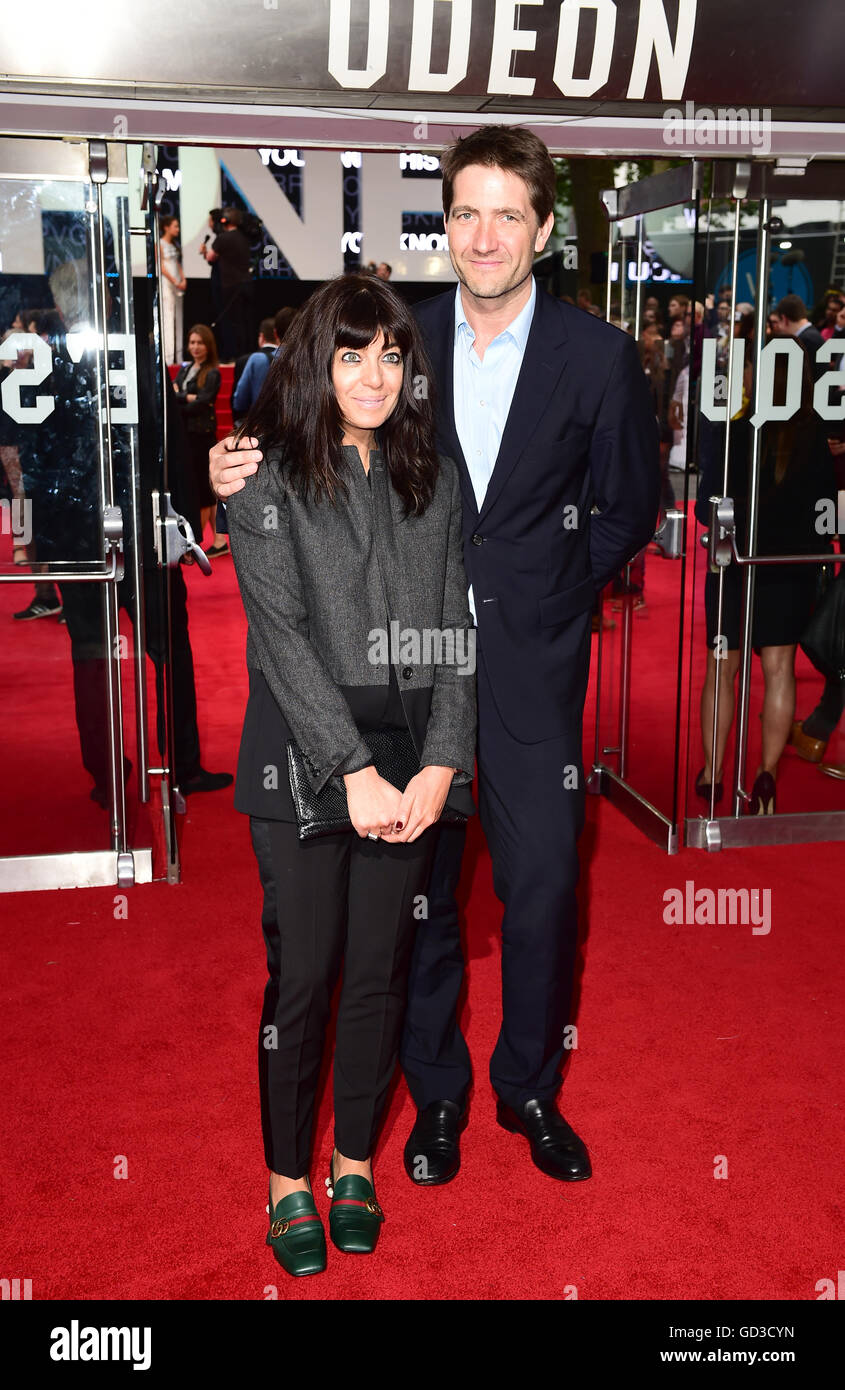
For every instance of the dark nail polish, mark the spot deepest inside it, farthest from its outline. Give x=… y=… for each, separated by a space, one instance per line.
x=399 y=825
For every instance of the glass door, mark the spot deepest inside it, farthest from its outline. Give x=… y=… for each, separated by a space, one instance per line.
x=651 y=293
x=767 y=620
x=73 y=665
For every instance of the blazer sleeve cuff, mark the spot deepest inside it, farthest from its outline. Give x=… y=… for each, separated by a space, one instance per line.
x=436 y=756
x=358 y=758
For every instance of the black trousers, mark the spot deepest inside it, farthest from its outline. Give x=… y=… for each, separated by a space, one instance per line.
x=334 y=900
x=531 y=801
x=828 y=712
x=83 y=610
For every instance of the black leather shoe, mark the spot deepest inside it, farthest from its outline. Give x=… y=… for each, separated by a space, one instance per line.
x=555 y=1147
x=432 y=1153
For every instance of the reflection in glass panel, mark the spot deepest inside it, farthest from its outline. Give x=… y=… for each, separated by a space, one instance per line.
x=642 y=609
x=795 y=755
x=53 y=669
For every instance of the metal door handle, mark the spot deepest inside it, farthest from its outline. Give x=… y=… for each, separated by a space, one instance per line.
x=174 y=536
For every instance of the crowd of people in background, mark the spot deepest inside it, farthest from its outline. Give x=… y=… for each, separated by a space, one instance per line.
x=802 y=460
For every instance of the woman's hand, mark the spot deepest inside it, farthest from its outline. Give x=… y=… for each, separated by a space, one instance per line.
x=373 y=803
x=421 y=803
x=190 y=398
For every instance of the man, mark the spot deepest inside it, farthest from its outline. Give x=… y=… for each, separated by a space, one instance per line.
x=255 y=370
x=547 y=414
x=790 y=318
x=231 y=249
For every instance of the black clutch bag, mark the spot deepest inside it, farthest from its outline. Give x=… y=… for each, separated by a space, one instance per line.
x=395 y=759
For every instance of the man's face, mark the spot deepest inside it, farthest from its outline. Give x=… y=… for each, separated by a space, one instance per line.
x=781 y=325
x=493 y=231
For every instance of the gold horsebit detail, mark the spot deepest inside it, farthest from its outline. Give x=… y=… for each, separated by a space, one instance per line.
x=373 y=1207
x=279 y=1228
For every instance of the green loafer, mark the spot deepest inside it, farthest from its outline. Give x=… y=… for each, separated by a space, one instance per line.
x=296 y=1234
x=355 y=1217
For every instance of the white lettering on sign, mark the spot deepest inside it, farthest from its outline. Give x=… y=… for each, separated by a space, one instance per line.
x=567 y=44
x=415 y=160
x=420 y=76
x=661 y=41
x=281 y=157
x=122 y=380
x=340 y=31
x=422 y=241
x=42 y=366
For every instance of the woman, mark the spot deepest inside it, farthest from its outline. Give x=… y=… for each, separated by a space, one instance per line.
x=173 y=287
x=197 y=384
x=795 y=471
x=347 y=544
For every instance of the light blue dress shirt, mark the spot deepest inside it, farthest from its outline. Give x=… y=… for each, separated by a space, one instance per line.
x=483 y=391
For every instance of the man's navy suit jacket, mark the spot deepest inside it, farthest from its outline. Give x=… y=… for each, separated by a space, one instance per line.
x=581 y=432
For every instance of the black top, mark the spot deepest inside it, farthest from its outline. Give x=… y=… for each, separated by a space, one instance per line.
x=232 y=248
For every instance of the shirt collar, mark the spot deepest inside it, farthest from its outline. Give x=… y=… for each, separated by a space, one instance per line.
x=518 y=330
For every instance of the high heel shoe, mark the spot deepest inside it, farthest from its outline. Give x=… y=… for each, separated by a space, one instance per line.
x=355 y=1217
x=762 y=796
x=296 y=1234
x=703 y=788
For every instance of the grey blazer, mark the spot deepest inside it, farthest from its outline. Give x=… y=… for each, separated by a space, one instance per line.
x=334 y=595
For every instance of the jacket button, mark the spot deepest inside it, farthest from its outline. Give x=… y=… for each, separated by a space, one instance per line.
x=477 y=540
x=407 y=672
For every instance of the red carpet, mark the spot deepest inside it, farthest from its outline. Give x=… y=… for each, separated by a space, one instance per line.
x=135 y=1039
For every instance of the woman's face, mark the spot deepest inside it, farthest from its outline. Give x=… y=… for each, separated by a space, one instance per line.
x=367 y=382
x=173 y=229
x=197 y=348
x=674 y=308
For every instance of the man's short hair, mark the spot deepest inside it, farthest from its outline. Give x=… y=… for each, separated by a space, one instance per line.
x=792 y=307
x=283 y=320
x=511 y=148
x=267 y=329
x=233 y=216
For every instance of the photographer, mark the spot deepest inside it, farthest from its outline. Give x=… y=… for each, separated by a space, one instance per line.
x=231 y=252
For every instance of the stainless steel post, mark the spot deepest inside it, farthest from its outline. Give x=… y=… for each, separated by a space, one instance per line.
x=761 y=309
x=717 y=655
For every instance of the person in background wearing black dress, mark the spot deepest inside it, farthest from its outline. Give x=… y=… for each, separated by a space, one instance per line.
x=795 y=471
x=196 y=387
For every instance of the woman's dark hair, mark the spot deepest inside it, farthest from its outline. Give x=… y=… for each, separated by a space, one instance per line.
x=515 y=149
x=297 y=407
x=165 y=222
x=203 y=331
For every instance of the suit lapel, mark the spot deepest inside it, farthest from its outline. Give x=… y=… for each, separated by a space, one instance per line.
x=441 y=350
x=543 y=363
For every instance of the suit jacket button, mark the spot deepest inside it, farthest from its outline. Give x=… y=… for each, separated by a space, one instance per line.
x=477 y=540
x=407 y=672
